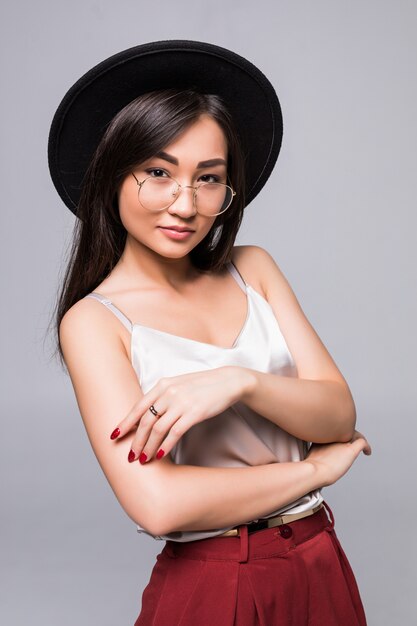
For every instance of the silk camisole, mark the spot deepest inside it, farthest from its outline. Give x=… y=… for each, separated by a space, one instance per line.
x=238 y=436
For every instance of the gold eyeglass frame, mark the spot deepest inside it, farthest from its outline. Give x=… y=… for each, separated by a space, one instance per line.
x=180 y=188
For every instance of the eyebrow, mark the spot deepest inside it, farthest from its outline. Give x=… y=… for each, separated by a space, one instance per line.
x=209 y=163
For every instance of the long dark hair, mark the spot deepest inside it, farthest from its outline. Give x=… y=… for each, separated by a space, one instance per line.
x=140 y=130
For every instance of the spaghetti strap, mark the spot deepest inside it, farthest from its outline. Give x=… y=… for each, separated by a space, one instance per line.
x=126 y=321
x=122 y=317
x=236 y=275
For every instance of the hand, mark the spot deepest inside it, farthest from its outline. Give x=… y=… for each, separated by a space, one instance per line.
x=181 y=401
x=333 y=460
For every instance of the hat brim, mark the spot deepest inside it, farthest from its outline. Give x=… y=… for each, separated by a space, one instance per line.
x=90 y=104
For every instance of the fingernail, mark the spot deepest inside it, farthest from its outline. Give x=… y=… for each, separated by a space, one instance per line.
x=142 y=457
x=160 y=454
x=115 y=433
x=131 y=456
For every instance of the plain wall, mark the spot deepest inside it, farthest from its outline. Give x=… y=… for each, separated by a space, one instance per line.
x=339 y=216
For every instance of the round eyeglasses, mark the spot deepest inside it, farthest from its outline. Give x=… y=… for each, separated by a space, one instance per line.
x=159 y=193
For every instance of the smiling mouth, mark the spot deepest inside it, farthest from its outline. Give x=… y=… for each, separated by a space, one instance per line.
x=177 y=229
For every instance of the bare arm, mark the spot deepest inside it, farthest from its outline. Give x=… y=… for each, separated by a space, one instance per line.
x=204 y=498
x=201 y=498
x=313 y=410
x=318 y=405
x=161 y=496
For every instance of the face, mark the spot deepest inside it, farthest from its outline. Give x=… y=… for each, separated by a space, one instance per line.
x=183 y=160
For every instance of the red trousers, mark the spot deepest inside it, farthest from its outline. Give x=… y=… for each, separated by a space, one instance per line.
x=296 y=574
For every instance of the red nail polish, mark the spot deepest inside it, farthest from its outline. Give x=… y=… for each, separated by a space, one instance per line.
x=160 y=454
x=131 y=456
x=142 y=457
x=115 y=433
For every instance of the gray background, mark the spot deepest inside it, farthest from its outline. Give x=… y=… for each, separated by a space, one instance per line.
x=338 y=215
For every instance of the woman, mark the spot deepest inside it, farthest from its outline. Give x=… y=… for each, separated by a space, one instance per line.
x=201 y=364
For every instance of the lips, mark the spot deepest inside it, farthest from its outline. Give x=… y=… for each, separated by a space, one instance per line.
x=179 y=229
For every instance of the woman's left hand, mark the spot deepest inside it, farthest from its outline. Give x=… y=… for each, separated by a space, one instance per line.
x=181 y=401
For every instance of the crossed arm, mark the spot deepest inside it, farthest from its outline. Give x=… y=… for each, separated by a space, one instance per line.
x=163 y=497
x=314 y=410
x=318 y=405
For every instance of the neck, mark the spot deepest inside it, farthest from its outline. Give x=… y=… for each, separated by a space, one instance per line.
x=142 y=265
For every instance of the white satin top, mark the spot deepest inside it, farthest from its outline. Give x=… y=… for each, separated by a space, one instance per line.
x=238 y=436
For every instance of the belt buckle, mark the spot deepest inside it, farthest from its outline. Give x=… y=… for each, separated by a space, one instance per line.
x=272 y=522
x=259 y=525
x=265 y=523
x=287 y=518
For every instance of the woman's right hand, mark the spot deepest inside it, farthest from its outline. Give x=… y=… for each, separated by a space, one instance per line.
x=332 y=460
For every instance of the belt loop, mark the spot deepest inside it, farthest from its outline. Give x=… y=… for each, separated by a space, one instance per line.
x=244 y=543
x=331 y=516
x=169 y=548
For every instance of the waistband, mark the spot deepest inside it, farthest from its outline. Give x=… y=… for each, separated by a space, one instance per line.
x=261 y=544
x=276 y=520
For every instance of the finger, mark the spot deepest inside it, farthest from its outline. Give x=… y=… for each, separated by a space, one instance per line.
x=134 y=415
x=367 y=448
x=139 y=408
x=158 y=434
x=362 y=444
x=177 y=430
x=146 y=424
x=127 y=423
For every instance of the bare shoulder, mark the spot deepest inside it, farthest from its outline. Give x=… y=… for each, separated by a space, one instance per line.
x=106 y=387
x=312 y=359
x=88 y=325
x=257 y=267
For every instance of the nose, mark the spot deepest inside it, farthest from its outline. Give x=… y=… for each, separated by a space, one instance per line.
x=184 y=203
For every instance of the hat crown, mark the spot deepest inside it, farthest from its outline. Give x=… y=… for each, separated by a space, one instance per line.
x=96 y=97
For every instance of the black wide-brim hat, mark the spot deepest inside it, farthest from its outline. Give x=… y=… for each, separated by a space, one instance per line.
x=86 y=109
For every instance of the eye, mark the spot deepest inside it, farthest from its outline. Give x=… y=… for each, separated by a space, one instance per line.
x=158 y=171
x=215 y=179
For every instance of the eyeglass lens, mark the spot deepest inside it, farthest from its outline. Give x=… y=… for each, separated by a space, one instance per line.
x=158 y=193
